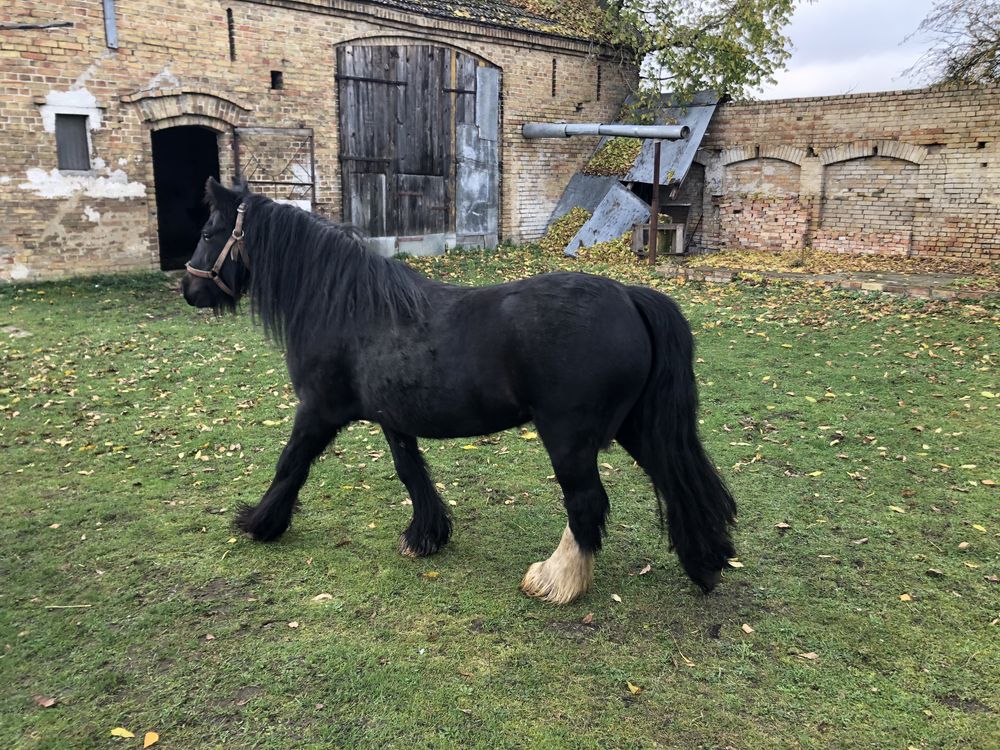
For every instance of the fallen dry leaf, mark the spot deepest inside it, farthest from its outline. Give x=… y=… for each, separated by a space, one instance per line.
x=634 y=689
x=151 y=738
x=615 y=597
x=808 y=655
x=862 y=540
x=646 y=569
x=587 y=618
x=44 y=702
x=905 y=598
x=121 y=732
x=432 y=574
x=209 y=637
x=734 y=563
x=322 y=597
x=979 y=527
x=293 y=624
x=783 y=526
x=529 y=436
x=746 y=628
x=964 y=545
x=896 y=509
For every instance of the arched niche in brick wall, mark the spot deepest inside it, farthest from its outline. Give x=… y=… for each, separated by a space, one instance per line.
x=910 y=152
x=762 y=169
x=869 y=197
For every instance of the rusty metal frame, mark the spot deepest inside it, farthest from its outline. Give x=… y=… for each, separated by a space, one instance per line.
x=306 y=133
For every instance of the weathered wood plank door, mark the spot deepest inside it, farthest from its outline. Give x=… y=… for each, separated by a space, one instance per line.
x=403 y=109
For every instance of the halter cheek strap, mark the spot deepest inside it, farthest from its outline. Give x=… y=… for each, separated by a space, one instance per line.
x=233 y=248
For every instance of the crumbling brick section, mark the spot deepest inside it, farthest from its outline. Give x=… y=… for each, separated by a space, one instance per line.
x=760 y=222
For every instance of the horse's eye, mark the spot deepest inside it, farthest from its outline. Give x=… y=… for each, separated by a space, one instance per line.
x=206 y=236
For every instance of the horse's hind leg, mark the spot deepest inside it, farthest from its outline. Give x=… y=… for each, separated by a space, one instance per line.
x=268 y=519
x=430 y=528
x=568 y=573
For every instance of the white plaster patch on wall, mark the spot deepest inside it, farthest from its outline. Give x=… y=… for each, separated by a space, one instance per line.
x=4 y=179
x=87 y=74
x=19 y=272
x=92 y=214
x=123 y=162
x=75 y=102
x=55 y=184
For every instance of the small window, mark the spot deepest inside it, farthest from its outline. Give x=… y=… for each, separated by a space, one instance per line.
x=277 y=79
x=71 y=142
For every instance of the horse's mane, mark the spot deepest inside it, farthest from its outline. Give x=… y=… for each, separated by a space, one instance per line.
x=310 y=275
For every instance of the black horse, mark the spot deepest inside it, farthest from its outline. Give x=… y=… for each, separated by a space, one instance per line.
x=588 y=359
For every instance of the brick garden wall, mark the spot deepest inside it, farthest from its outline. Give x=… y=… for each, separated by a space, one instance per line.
x=899 y=173
x=173 y=67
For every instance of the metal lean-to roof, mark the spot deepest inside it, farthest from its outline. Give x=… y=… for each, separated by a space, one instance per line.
x=676 y=157
x=614 y=209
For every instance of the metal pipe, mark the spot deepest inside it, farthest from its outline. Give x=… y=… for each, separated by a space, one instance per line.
x=567 y=129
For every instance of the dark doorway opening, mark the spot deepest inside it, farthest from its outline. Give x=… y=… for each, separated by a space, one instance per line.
x=183 y=159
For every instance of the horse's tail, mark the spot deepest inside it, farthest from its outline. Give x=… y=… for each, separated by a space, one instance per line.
x=661 y=433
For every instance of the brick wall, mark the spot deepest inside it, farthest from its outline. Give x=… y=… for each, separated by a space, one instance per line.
x=173 y=67
x=906 y=172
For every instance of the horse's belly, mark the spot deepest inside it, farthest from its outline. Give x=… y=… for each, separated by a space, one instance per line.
x=446 y=410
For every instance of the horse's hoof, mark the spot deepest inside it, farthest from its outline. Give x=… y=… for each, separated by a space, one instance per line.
x=415 y=551
x=564 y=577
x=550 y=584
x=709 y=580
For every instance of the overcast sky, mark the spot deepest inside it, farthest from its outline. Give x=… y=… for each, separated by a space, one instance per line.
x=851 y=46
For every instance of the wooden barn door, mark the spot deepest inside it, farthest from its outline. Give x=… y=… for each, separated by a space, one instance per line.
x=410 y=153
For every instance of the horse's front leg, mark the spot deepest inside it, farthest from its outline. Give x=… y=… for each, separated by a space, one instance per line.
x=268 y=520
x=430 y=528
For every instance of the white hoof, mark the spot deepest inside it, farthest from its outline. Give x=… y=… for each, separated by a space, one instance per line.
x=564 y=577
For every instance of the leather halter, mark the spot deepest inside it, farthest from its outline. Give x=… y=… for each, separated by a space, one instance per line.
x=234 y=248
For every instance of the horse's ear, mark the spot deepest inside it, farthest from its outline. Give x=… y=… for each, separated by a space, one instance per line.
x=241 y=186
x=219 y=197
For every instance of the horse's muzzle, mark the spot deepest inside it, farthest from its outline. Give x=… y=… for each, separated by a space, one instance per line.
x=198 y=292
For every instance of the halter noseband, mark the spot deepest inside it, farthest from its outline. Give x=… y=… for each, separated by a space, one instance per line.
x=234 y=248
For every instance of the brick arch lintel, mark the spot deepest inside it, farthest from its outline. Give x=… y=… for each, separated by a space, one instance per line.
x=790 y=154
x=172 y=104
x=380 y=38
x=910 y=152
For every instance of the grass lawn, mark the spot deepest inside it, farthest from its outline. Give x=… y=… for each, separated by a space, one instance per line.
x=859 y=436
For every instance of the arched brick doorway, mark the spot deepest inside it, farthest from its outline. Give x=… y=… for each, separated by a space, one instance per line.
x=184 y=157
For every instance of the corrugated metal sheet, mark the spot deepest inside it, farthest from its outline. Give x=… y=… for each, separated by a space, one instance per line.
x=614 y=216
x=676 y=157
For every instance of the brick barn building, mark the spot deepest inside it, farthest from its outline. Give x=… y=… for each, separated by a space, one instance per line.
x=400 y=116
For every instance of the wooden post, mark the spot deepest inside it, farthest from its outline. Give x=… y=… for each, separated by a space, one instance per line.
x=654 y=208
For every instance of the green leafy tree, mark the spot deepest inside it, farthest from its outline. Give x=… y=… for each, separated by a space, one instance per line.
x=684 y=46
x=965 y=42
